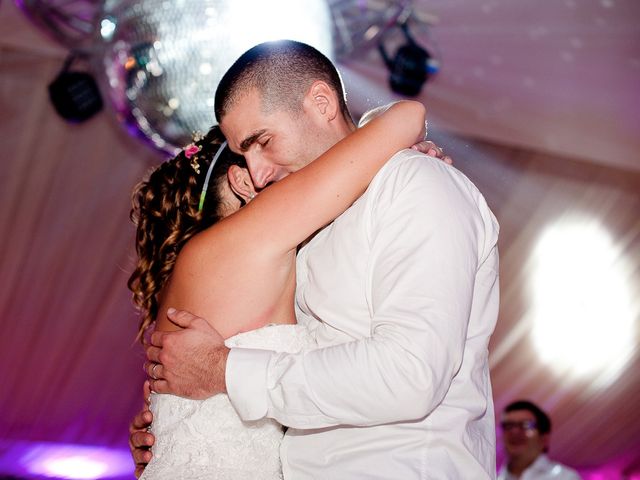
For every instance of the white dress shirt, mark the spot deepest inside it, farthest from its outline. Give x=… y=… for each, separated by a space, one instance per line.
x=541 y=469
x=401 y=295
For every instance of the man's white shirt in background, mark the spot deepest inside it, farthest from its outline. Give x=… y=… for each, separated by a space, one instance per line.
x=401 y=294
x=542 y=469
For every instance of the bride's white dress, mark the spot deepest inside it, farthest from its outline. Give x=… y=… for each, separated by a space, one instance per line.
x=205 y=439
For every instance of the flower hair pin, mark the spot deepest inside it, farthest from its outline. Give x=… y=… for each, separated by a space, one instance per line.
x=192 y=150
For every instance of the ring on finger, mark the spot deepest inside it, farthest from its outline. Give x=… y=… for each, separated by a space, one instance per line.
x=153 y=371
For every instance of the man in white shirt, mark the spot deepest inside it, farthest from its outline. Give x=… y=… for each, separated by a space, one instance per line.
x=526 y=434
x=400 y=292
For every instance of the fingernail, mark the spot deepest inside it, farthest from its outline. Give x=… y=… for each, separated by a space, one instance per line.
x=171 y=311
x=431 y=151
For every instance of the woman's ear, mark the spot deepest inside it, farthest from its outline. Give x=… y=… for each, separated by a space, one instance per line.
x=240 y=182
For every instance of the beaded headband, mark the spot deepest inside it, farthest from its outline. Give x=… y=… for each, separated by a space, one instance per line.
x=206 y=179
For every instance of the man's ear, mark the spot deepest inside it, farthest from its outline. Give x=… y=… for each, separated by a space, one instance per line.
x=240 y=182
x=546 y=440
x=322 y=99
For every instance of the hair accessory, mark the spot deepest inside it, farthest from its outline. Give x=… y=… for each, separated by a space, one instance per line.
x=206 y=179
x=192 y=150
x=195 y=165
x=197 y=136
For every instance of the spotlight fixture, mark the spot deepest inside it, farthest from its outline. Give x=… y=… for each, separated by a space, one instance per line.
x=411 y=67
x=75 y=94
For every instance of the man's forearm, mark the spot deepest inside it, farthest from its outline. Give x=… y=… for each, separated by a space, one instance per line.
x=362 y=383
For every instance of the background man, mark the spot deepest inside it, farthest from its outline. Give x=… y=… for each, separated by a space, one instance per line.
x=526 y=433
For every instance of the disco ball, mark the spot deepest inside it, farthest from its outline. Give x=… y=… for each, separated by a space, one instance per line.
x=163 y=59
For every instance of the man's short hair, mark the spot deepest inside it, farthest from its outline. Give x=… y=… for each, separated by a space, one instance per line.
x=543 y=422
x=282 y=72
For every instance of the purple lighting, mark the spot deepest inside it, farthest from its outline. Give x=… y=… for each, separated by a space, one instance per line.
x=69 y=465
x=59 y=460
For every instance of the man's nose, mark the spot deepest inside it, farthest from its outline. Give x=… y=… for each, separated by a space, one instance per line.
x=262 y=171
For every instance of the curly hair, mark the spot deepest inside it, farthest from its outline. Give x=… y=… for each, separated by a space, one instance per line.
x=165 y=212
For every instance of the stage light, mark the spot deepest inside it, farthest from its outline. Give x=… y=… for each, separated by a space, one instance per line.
x=411 y=66
x=63 y=460
x=76 y=467
x=75 y=94
x=583 y=320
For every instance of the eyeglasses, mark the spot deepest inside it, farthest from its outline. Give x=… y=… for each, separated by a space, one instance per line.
x=525 y=425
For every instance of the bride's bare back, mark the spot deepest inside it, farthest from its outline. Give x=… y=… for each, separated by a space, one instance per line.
x=234 y=283
x=240 y=273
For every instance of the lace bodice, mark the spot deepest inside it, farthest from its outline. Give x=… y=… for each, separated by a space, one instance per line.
x=205 y=439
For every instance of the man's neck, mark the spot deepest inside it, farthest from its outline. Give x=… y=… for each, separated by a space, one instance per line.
x=339 y=129
x=344 y=127
x=517 y=466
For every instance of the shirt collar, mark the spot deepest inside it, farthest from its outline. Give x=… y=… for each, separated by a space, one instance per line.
x=540 y=464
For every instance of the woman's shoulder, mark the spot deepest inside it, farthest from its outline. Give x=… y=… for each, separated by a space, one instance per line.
x=218 y=245
x=200 y=267
x=200 y=248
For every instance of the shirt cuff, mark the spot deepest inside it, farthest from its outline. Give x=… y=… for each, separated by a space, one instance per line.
x=246 y=378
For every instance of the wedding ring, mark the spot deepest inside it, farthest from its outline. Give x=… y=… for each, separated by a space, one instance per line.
x=153 y=371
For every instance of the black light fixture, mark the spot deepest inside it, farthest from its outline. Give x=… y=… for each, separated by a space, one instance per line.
x=411 y=67
x=75 y=94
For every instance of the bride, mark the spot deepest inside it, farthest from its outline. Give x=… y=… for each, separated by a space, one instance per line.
x=198 y=250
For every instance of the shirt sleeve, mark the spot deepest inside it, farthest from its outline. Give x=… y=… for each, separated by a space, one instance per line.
x=427 y=234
